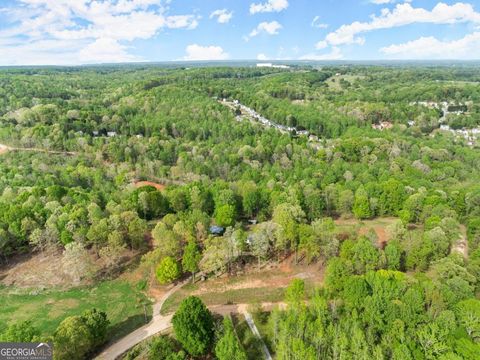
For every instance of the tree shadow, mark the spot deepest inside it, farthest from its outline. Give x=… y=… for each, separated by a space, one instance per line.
x=119 y=330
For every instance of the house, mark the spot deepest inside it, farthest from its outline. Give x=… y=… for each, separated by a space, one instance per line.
x=270 y=65
x=216 y=230
x=382 y=125
x=111 y=134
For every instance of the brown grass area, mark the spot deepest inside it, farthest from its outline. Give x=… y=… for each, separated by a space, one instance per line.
x=42 y=270
x=45 y=270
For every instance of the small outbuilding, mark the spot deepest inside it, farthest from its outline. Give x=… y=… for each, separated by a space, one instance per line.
x=217 y=230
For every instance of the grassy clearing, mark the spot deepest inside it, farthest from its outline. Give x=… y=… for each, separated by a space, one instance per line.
x=364 y=227
x=237 y=296
x=334 y=82
x=118 y=298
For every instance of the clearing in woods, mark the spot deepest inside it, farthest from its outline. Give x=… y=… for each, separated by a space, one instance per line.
x=157 y=186
x=379 y=226
x=254 y=286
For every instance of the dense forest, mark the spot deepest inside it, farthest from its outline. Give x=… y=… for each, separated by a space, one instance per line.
x=79 y=140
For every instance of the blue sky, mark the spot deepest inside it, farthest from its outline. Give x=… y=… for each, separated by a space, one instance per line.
x=63 y=32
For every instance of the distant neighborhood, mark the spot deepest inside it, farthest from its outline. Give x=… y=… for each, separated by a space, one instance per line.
x=471 y=136
x=274 y=66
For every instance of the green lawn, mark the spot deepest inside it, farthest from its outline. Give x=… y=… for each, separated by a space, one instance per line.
x=118 y=298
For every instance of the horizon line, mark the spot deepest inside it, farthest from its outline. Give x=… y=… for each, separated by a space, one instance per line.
x=264 y=61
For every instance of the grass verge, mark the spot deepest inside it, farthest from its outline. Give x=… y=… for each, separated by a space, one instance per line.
x=237 y=296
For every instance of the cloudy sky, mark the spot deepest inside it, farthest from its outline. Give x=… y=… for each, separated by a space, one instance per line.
x=62 y=32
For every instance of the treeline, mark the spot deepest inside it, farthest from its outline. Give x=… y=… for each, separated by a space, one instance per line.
x=381 y=315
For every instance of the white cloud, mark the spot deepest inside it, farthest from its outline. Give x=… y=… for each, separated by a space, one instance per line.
x=223 y=15
x=197 y=52
x=321 y=45
x=269 y=6
x=334 y=54
x=317 y=24
x=262 y=57
x=401 y=15
x=105 y=50
x=270 y=28
x=40 y=52
x=77 y=29
x=189 y=22
x=384 y=2
x=430 y=47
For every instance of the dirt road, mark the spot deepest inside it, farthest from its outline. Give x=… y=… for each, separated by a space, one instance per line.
x=5 y=148
x=158 y=324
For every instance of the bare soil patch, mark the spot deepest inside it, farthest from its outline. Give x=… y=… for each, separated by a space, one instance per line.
x=461 y=245
x=159 y=187
x=273 y=275
x=3 y=149
x=364 y=227
x=46 y=270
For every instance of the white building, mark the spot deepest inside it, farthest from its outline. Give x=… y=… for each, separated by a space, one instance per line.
x=270 y=65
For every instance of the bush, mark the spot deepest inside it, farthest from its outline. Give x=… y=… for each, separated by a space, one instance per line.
x=168 y=270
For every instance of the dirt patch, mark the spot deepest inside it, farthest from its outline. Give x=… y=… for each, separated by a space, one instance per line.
x=271 y=276
x=159 y=187
x=461 y=245
x=382 y=235
x=364 y=227
x=3 y=149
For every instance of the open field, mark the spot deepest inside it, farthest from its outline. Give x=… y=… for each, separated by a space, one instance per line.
x=45 y=270
x=253 y=287
x=118 y=298
x=364 y=227
x=334 y=81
